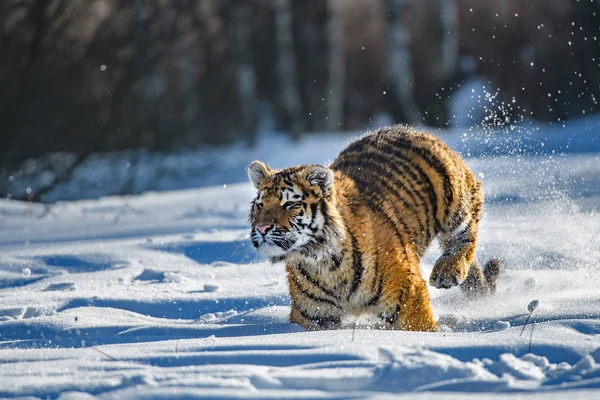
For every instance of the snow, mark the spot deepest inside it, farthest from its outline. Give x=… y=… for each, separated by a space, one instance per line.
x=160 y=295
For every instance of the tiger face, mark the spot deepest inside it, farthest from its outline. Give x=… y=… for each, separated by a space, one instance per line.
x=291 y=210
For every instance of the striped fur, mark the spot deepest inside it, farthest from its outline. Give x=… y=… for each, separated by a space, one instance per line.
x=352 y=235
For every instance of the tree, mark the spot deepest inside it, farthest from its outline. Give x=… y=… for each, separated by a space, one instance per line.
x=242 y=58
x=399 y=65
x=286 y=68
x=336 y=68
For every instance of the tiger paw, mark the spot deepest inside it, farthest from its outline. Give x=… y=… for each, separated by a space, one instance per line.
x=447 y=274
x=443 y=281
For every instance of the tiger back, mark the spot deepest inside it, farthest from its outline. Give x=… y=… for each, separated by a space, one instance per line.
x=352 y=234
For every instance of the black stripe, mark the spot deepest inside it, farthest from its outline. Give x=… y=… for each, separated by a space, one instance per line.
x=317 y=238
x=401 y=155
x=390 y=138
x=356 y=266
x=458 y=218
x=289 y=204
x=313 y=210
x=325 y=212
x=390 y=184
x=288 y=182
x=320 y=320
x=315 y=282
x=377 y=208
x=408 y=168
x=434 y=162
x=364 y=183
x=283 y=243
x=368 y=200
x=459 y=239
x=377 y=296
x=393 y=162
x=307 y=249
x=336 y=262
x=312 y=296
x=375 y=273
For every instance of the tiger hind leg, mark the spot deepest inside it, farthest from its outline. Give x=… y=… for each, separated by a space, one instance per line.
x=480 y=283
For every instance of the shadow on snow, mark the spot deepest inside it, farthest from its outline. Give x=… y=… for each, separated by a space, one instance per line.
x=235 y=252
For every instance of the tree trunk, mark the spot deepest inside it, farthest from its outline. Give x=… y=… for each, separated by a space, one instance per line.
x=244 y=68
x=450 y=39
x=399 y=69
x=286 y=67
x=336 y=68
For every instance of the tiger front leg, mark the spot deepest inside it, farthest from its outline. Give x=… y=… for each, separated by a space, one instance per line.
x=405 y=301
x=452 y=268
x=410 y=309
x=416 y=313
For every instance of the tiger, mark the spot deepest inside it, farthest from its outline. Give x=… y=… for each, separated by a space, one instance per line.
x=352 y=234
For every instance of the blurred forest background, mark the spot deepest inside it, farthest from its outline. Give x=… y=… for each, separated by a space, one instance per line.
x=88 y=76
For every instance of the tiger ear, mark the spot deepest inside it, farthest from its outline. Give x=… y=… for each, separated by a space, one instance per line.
x=318 y=175
x=258 y=171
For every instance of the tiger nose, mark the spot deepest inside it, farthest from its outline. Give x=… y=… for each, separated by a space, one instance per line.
x=264 y=228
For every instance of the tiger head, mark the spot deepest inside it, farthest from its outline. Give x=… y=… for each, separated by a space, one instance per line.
x=294 y=211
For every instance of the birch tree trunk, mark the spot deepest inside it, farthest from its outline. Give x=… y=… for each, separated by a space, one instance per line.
x=244 y=68
x=450 y=38
x=286 y=67
x=147 y=101
x=336 y=68
x=400 y=72
x=186 y=54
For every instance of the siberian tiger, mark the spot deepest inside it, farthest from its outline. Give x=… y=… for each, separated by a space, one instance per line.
x=352 y=234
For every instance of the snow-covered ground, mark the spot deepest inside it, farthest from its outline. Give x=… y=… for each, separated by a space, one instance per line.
x=160 y=295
